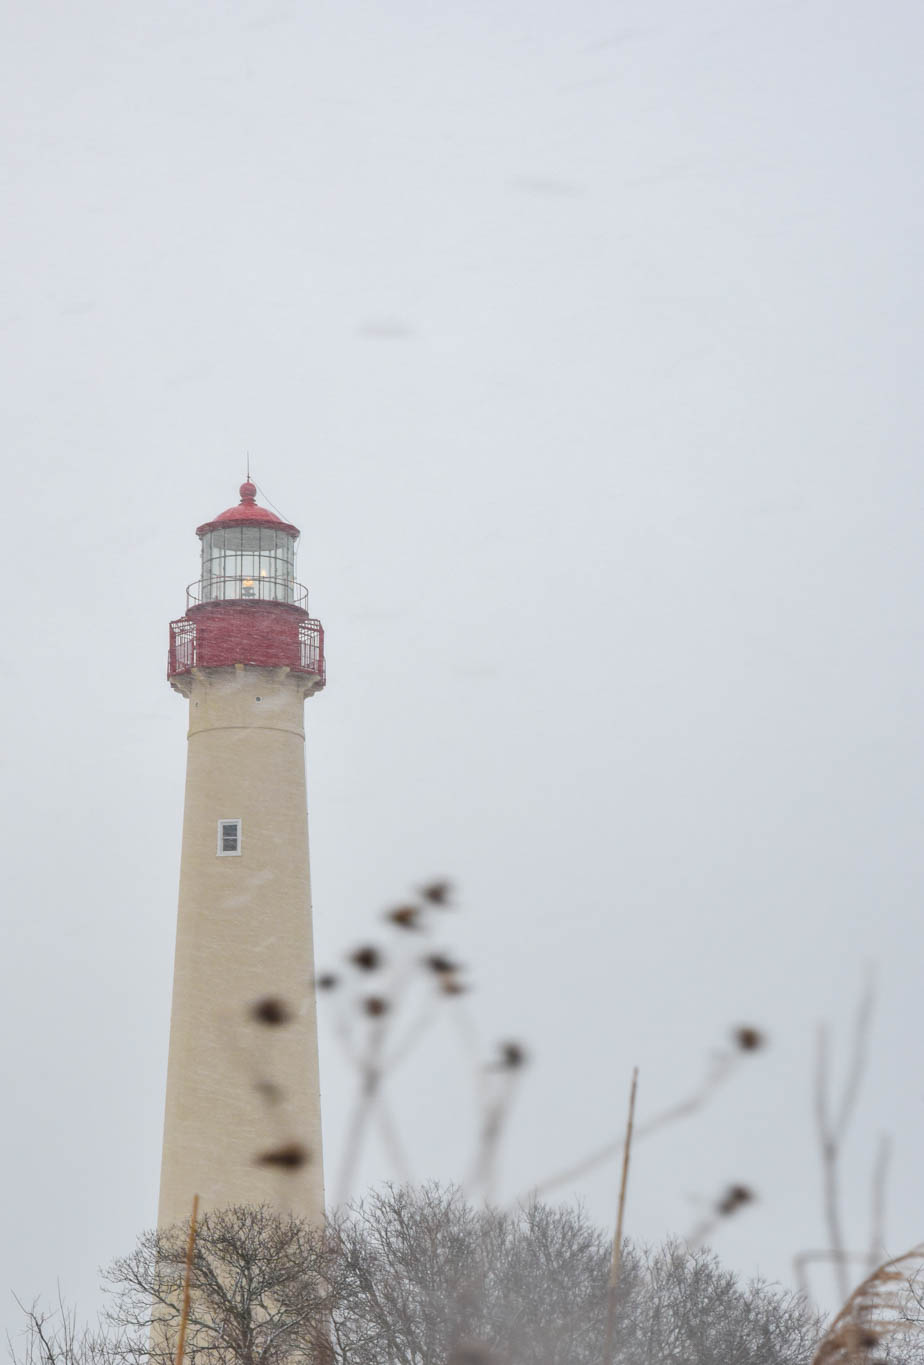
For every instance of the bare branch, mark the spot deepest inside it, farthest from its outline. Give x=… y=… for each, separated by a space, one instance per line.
x=720 y=1067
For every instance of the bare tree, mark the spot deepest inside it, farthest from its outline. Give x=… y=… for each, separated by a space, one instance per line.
x=433 y=1275
x=435 y=1279
x=421 y=1276
x=262 y=1288
x=53 y=1336
x=692 y=1310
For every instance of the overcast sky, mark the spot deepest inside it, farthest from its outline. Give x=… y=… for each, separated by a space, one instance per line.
x=582 y=342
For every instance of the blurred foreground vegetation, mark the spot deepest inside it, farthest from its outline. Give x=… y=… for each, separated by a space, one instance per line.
x=421 y=1276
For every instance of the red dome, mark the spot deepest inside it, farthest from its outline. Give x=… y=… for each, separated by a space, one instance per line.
x=247 y=513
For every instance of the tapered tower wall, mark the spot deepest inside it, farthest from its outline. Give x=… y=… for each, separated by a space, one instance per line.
x=238 y=1089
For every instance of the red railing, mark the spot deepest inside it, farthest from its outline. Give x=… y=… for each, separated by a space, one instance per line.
x=225 y=634
x=182 y=646
x=311 y=648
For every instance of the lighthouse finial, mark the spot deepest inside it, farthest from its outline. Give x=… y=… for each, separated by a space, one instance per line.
x=248 y=487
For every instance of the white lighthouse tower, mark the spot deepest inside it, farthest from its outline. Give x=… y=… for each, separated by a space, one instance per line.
x=243 y=1114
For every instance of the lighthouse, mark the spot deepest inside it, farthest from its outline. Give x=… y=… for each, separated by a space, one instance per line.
x=243 y=1116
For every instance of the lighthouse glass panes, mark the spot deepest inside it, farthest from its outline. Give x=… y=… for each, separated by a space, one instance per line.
x=256 y=562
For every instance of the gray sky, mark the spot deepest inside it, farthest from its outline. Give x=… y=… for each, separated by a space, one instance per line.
x=581 y=341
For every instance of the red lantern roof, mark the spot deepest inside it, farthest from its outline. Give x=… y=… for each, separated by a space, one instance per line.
x=247 y=513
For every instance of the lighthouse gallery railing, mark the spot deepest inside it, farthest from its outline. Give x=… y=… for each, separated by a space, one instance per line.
x=247 y=588
x=304 y=653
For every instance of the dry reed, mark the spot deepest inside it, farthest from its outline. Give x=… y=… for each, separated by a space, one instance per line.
x=187 y=1272
x=389 y=1037
x=870 y=1316
x=616 y=1260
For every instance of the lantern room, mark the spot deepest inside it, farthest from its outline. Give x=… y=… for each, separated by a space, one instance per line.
x=247 y=608
x=248 y=554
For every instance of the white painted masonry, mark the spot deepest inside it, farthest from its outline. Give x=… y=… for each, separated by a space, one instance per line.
x=237 y=1089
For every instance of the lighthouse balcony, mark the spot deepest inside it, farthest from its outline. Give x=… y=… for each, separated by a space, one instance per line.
x=256 y=632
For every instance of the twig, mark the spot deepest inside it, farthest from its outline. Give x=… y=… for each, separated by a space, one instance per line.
x=616 y=1262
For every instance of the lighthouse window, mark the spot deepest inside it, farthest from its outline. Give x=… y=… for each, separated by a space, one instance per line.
x=229 y=837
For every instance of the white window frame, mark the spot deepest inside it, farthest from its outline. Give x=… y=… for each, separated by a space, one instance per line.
x=229 y=852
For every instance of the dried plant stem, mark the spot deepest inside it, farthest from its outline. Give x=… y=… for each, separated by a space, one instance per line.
x=184 y=1312
x=418 y=1026
x=832 y=1127
x=830 y=1151
x=821 y=1256
x=720 y=1068
x=353 y=1145
x=465 y=1025
x=373 y=1066
x=370 y=1068
x=342 y=1034
x=372 y=1102
x=616 y=1261
x=414 y=1032
x=877 y=1237
x=391 y=1140
x=861 y=1326
x=495 y=1115
x=858 y=1058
